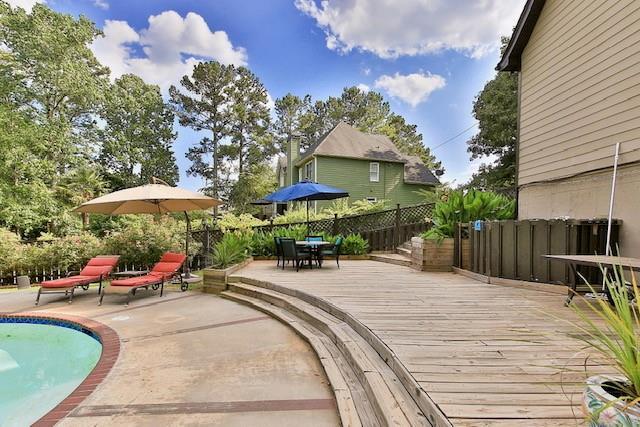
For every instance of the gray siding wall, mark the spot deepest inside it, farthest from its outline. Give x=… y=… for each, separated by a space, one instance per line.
x=580 y=89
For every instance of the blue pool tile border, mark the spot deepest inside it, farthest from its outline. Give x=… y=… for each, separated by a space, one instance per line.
x=50 y=321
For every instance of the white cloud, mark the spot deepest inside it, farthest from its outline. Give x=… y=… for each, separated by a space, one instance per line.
x=363 y=87
x=101 y=4
x=171 y=46
x=25 y=4
x=391 y=28
x=411 y=88
x=366 y=71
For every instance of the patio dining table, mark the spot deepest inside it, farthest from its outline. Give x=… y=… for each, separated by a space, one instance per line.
x=604 y=261
x=314 y=247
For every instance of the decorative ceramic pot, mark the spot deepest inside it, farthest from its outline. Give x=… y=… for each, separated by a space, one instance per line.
x=595 y=398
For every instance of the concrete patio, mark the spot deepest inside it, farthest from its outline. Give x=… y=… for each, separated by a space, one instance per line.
x=195 y=359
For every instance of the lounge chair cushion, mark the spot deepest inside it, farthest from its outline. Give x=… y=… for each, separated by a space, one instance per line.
x=96 y=270
x=68 y=282
x=164 y=269
x=173 y=257
x=137 y=281
x=100 y=266
x=104 y=261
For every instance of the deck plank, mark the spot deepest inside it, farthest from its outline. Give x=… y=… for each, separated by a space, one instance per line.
x=487 y=355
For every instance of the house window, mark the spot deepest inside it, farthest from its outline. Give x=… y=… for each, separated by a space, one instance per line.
x=372 y=199
x=308 y=171
x=374 y=172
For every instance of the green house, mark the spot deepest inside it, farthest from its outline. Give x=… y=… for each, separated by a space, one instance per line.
x=368 y=166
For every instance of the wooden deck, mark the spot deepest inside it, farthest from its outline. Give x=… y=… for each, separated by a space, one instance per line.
x=485 y=354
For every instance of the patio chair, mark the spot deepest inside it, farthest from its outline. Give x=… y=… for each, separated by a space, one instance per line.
x=313 y=251
x=96 y=270
x=290 y=252
x=278 y=246
x=333 y=251
x=165 y=270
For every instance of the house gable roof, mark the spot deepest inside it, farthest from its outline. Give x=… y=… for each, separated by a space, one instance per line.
x=511 y=58
x=348 y=142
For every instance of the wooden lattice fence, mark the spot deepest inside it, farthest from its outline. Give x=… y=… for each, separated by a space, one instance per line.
x=384 y=230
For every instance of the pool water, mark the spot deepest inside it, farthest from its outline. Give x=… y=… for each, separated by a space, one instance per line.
x=40 y=365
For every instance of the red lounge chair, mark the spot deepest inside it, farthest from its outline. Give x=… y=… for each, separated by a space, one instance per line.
x=96 y=270
x=165 y=270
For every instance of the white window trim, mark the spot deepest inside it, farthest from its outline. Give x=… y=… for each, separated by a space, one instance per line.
x=377 y=171
x=371 y=199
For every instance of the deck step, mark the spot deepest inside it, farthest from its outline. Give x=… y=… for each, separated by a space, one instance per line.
x=403 y=251
x=406 y=245
x=395 y=259
x=377 y=394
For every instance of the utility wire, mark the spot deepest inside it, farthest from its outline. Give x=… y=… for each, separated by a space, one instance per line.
x=454 y=137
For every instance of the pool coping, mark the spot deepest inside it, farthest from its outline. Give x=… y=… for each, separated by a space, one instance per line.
x=110 y=350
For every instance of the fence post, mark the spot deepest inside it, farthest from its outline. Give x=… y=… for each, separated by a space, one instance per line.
x=396 y=239
x=334 y=226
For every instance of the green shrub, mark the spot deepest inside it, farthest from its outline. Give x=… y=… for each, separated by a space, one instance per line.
x=232 y=249
x=142 y=242
x=465 y=207
x=298 y=213
x=10 y=250
x=69 y=252
x=244 y=222
x=354 y=244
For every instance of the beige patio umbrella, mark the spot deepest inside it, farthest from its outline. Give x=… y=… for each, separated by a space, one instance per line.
x=155 y=198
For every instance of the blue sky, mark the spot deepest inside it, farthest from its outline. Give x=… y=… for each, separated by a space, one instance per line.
x=428 y=58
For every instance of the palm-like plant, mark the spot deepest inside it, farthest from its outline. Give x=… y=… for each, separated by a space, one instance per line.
x=615 y=332
x=465 y=207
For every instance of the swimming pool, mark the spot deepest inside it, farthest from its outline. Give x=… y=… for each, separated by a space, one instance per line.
x=41 y=362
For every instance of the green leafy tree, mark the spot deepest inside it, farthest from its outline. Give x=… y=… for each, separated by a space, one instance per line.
x=58 y=77
x=51 y=88
x=26 y=201
x=496 y=109
x=249 y=121
x=258 y=180
x=293 y=119
x=205 y=106
x=138 y=135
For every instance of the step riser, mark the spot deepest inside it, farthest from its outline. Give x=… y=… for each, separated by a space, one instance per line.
x=385 y=404
x=435 y=415
x=348 y=348
x=404 y=252
x=403 y=263
x=284 y=305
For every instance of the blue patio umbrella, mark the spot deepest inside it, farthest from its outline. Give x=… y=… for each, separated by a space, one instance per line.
x=306 y=190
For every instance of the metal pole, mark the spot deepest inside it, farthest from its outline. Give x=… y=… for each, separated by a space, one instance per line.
x=186 y=246
x=611 y=200
x=610 y=217
x=308 y=228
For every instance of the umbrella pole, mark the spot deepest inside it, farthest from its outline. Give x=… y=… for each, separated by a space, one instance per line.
x=186 y=245
x=308 y=231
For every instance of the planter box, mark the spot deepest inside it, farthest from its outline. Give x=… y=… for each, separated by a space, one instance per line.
x=429 y=255
x=215 y=280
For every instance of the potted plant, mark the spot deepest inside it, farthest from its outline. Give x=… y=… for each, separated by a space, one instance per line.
x=612 y=330
x=230 y=254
